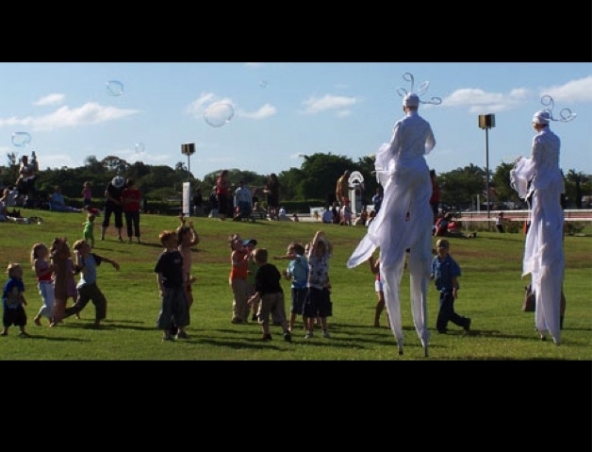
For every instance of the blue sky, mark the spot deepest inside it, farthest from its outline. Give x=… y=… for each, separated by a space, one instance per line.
x=280 y=111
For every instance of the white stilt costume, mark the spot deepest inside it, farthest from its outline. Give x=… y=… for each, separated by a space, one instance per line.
x=405 y=219
x=538 y=179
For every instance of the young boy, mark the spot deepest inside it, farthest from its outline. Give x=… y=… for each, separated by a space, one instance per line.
x=445 y=273
x=269 y=294
x=297 y=272
x=88 y=290
x=14 y=301
x=170 y=279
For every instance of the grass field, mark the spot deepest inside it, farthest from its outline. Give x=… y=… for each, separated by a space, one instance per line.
x=491 y=294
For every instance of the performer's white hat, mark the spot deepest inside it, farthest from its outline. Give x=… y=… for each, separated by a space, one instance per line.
x=411 y=100
x=541 y=117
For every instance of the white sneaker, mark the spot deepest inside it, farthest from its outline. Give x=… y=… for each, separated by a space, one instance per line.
x=309 y=335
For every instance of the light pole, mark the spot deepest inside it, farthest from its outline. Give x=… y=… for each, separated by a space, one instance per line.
x=487 y=122
x=188 y=149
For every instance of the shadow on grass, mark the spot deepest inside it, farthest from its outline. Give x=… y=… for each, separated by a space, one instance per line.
x=53 y=338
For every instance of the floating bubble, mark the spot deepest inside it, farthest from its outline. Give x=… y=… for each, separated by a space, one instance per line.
x=139 y=148
x=21 y=139
x=218 y=114
x=114 y=88
x=263 y=83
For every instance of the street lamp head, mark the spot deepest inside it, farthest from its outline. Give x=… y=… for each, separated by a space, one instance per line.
x=486 y=121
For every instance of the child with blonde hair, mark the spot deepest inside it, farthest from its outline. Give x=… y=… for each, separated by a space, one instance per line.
x=89 y=226
x=186 y=238
x=237 y=279
x=318 y=300
x=86 y=194
x=43 y=274
x=13 y=300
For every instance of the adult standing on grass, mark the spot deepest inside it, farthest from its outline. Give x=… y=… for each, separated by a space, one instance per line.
x=538 y=180
x=25 y=183
x=436 y=195
x=272 y=190
x=113 y=205
x=342 y=188
x=405 y=218
x=130 y=198
x=223 y=195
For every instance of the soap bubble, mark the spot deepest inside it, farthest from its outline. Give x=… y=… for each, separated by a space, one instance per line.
x=218 y=114
x=139 y=148
x=263 y=83
x=21 y=139
x=114 y=88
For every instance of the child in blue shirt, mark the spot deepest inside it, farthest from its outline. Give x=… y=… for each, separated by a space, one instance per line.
x=14 y=301
x=297 y=273
x=445 y=273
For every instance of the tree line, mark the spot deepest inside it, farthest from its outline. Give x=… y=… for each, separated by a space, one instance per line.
x=313 y=181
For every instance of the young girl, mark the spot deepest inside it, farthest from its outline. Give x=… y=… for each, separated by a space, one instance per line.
x=238 y=279
x=43 y=274
x=318 y=301
x=86 y=194
x=186 y=238
x=71 y=291
x=59 y=253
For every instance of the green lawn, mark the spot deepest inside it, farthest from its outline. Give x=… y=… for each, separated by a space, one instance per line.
x=491 y=294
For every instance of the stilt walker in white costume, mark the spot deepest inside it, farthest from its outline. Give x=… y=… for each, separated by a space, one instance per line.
x=539 y=181
x=405 y=218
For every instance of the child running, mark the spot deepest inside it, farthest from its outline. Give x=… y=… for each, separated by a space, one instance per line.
x=445 y=273
x=88 y=290
x=43 y=274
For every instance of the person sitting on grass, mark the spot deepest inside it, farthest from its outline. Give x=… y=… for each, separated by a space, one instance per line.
x=57 y=202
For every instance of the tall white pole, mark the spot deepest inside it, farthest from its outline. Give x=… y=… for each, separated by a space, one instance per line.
x=487 y=167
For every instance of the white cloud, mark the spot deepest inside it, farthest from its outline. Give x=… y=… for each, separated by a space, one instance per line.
x=89 y=113
x=265 y=111
x=50 y=99
x=314 y=105
x=197 y=107
x=253 y=65
x=575 y=91
x=343 y=113
x=479 y=102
